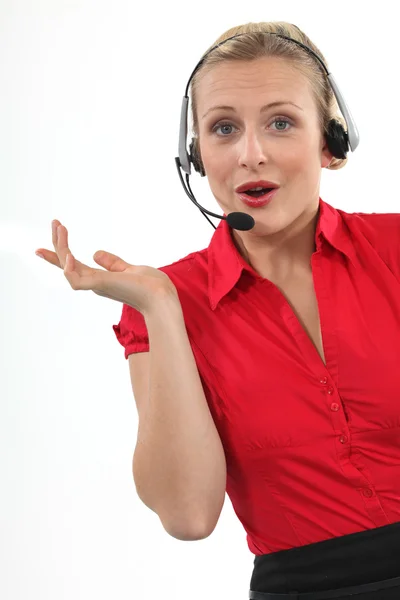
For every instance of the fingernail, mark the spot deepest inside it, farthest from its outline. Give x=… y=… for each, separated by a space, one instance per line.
x=39 y=254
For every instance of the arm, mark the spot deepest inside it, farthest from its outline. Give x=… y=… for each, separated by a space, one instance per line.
x=179 y=463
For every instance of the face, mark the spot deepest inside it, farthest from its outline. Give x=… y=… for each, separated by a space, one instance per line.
x=282 y=144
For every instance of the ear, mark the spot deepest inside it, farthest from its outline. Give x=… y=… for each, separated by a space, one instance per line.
x=326 y=155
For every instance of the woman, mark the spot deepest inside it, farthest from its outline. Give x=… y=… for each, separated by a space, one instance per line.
x=291 y=401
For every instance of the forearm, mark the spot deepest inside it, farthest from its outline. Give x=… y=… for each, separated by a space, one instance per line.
x=179 y=462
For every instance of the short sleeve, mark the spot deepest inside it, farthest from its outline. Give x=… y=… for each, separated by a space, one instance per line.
x=131 y=331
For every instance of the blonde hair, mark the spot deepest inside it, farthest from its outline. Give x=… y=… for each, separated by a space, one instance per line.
x=256 y=45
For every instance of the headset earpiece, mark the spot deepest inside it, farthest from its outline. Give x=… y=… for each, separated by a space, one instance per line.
x=337 y=139
x=194 y=157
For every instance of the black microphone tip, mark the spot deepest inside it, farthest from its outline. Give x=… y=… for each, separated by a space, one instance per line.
x=241 y=221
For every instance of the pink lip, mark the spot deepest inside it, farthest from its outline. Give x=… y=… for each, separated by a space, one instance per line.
x=256 y=202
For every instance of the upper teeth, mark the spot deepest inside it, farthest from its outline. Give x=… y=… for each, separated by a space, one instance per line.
x=255 y=189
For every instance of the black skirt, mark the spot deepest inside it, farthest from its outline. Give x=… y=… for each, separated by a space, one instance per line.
x=361 y=566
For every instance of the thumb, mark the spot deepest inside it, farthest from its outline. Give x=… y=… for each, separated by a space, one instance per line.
x=109 y=261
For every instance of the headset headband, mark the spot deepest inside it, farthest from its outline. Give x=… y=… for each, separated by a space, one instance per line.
x=352 y=131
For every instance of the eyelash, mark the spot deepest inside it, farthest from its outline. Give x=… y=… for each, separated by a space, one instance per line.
x=282 y=119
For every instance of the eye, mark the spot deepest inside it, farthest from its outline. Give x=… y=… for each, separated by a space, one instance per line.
x=281 y=120
x=214 y=129
x=225 y=125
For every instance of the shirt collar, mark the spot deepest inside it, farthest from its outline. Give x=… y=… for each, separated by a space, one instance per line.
x=225 y=263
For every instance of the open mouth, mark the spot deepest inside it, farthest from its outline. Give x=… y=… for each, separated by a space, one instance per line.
x=257 y=193
x=257 y=198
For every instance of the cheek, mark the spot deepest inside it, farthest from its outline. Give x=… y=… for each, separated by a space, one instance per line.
x=213 y=153
x=295 y=156
x=217 y=162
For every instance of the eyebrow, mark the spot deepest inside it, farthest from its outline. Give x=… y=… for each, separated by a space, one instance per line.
x=262 y=109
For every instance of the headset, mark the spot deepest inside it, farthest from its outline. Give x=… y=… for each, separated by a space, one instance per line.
x=339 y=140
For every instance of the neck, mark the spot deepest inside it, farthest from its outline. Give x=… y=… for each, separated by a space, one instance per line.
x=281 y=255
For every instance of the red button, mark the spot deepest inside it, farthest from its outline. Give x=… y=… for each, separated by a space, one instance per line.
x=324 y=380
x=368 y=493
x=343 y=439
x=335 y=407
x=330 y=390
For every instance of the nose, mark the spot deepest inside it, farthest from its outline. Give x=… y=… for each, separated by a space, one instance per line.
x=251 y=150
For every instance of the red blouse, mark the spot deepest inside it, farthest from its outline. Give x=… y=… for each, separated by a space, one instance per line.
x=312 y=451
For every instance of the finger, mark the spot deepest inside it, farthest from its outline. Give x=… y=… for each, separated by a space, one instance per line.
x=109 y=261
x=69 y=272
x=69 y=264
x=54 y=229
x=90 y=281
x=54 y=225
x=49 y=256
x=62 y=245
x=52 y=258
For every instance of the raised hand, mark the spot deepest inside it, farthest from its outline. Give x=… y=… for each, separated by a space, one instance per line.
x=136 y=285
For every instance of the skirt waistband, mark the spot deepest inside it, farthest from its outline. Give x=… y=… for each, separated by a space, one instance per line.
x=338 y=593
x=356 y=560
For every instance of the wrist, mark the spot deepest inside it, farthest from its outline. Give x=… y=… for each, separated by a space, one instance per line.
x=166 y=300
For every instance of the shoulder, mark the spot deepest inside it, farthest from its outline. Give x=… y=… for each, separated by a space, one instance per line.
x=381 y=231
x=374 y=225
x=188 y=272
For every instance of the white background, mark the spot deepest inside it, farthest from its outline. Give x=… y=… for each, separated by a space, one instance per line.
x=89 y=113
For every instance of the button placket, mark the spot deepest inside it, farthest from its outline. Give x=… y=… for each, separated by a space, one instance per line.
x=335 y=407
